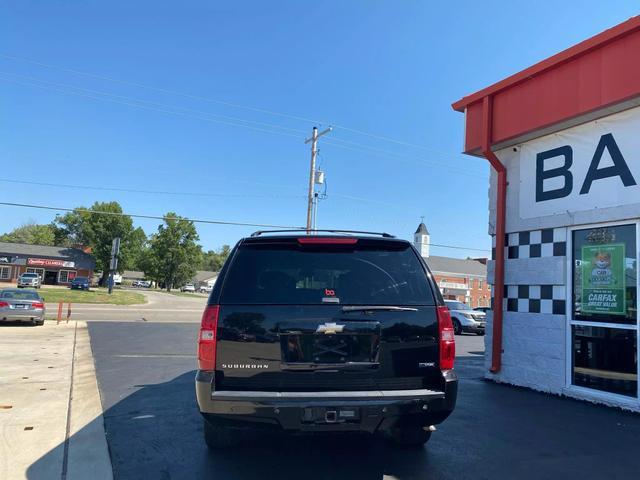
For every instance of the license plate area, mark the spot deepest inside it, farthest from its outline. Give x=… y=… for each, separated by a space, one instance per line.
x=298 y=348
x=21 y=306
x=328 y=415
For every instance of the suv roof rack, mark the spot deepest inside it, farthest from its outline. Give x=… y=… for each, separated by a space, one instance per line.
x=304 y=231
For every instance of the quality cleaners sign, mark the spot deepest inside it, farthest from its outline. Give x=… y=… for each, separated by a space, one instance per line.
x=595 y=165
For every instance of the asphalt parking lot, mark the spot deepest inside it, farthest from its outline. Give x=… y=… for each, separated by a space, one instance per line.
x=145 y=373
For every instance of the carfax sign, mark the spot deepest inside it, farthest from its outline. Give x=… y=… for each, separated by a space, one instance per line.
x=603 y=279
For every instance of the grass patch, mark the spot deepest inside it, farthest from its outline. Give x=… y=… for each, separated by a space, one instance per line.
x=95 y=295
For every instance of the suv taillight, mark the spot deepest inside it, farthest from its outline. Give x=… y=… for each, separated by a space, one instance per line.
x=447 y=338
x=207 y=338
x=4 y=304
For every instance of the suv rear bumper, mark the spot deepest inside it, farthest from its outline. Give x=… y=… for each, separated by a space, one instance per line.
x=355 y=411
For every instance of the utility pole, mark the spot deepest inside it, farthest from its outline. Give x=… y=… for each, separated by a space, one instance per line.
x=312 y=174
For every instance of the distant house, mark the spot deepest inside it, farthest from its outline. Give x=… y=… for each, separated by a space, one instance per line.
x=132 y=275
x=204 y=278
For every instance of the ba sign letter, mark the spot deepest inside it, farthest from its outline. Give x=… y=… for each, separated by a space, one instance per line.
x=590 y=166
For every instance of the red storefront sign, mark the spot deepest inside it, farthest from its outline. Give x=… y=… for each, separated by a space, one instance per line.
x=48 y=262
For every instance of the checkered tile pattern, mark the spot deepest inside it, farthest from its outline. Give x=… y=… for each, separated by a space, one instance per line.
x=548 y=242
x=535 y=299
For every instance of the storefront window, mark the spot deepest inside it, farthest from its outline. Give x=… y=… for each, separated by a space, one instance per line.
x=604 y=321
x=65 y=276
x=605 y=359
x=604 y=274
x=5 y=273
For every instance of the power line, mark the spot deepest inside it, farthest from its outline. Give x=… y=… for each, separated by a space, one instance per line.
x=221 y=102
x=204 y=116
x=399 y=156
x=213 y=222
x=458 y=247
x=152 y=217
x=151 y=192
x=162 y=105
x=203 y=194
x=136 y=103
x=163 y=90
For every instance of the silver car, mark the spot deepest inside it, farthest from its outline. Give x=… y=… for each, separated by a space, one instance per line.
x=29 y=279
x=22 y=305
x=465 y=319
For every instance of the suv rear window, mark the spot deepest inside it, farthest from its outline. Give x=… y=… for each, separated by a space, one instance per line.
x=368 y=273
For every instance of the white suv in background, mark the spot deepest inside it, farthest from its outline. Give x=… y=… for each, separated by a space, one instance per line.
x=465 y=319
x=29 y=279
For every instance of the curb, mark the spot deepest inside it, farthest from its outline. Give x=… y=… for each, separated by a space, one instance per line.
x=88 y=452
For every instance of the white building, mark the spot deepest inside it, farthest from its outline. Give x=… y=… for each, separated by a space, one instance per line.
x=563 y=138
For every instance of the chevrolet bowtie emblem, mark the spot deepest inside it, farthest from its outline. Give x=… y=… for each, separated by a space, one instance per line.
x=329 y=328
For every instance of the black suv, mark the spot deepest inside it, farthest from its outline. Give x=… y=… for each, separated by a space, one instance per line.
x=336 y=333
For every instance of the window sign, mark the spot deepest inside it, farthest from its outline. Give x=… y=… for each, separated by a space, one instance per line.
x=604 y=321
x=603 y=279
x=604 y=274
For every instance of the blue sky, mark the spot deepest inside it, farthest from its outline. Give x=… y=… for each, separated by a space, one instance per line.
x=387 y=68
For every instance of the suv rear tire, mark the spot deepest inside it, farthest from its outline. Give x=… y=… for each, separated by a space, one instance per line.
x=409 y=437
x=217 y=437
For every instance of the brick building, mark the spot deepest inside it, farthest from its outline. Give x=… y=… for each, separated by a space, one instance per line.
x=459 y=279
x=55 y=265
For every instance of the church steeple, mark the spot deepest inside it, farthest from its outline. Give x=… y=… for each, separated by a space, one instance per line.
x=421 y=239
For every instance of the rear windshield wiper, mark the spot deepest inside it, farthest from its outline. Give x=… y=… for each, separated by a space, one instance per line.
x=388 y=308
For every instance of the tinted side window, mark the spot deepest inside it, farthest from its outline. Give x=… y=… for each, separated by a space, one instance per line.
x=292 y=274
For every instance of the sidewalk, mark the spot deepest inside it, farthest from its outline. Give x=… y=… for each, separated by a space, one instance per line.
x=50 y=412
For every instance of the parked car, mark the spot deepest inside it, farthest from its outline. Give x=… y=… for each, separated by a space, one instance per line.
x=189 y=287
x=482 y=309
x=29 y=279
x=205 y=289
x=465 y=319
x=22 y=305
x=79 y=283
x=311 y=334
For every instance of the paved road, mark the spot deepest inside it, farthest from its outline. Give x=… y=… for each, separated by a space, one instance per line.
x=161 y=307
x=145 y=373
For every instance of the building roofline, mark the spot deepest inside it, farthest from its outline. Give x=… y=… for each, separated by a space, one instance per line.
x=623 y=29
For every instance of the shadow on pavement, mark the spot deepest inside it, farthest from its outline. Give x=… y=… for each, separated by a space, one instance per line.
x=155 y=432
x=171 y=445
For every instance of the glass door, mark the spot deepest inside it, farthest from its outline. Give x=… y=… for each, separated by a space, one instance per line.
x=604 y=309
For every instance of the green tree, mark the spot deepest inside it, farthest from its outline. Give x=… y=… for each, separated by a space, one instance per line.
x=149 y=264
x=98 y=231
x=175 y=255
x=32 y=234
x=137 y=247
x=214 y=259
